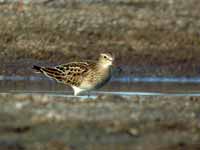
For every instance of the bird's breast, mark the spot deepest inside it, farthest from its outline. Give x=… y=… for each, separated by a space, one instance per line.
x=96 y=79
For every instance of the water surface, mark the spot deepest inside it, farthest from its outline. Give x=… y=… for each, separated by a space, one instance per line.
x=118 y=86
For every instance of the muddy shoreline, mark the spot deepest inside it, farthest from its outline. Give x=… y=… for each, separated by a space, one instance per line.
x=148 y=34
x=153 y=122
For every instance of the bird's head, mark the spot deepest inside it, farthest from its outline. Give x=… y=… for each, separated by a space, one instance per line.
x=106 y=59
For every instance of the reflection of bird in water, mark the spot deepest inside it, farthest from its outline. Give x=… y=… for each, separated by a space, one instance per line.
x=81 y=76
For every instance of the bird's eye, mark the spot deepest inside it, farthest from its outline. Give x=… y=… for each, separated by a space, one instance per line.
x=104 y=56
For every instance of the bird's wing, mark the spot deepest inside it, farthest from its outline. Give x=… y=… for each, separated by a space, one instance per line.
x=74 y=72
x=71 y=73
x=51 y=73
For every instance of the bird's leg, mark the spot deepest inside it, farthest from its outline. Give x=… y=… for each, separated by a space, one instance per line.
x=88 y=93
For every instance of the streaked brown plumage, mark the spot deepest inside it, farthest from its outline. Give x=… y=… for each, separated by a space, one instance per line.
x=81 y=76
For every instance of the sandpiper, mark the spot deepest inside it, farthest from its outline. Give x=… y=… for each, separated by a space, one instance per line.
x=81 y=76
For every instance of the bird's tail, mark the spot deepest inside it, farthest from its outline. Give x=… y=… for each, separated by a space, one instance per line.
x=37 y=69
x=50 y=72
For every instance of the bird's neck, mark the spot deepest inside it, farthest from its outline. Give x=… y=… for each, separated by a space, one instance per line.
x=104 y=66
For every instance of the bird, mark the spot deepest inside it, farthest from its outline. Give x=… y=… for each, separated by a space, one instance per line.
x=83 y=76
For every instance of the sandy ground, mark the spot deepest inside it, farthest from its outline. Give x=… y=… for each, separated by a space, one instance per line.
x=107 y=122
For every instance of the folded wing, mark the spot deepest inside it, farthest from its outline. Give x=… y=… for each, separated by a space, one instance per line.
x=71 y=73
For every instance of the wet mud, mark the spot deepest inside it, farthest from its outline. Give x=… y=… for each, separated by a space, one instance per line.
x=156 y=37
x=108 y=122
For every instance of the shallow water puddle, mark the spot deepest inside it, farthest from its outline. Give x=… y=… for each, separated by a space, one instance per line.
x=94 y=94
x=125 y=86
